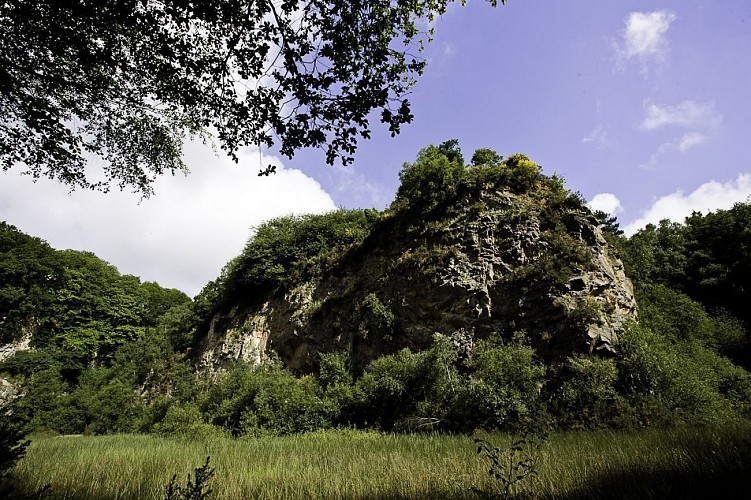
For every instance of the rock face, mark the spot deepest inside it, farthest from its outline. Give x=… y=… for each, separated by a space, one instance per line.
x=23 y=343
x=496 y=263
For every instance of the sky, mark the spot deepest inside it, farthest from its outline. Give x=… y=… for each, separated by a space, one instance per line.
x=644 y=107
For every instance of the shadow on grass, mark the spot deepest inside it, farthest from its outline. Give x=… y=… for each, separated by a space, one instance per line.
x=726 y=477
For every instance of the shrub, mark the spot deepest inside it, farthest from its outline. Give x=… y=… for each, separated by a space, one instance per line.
x=523 y=172
x=109 y=404
x=669 y=383
x=12 y=443
x=586 y=396
x=485 y=156
x=514 y=468
x=284 y=250
x=184 y=420
x=407 y=390
x=376 y=317
x=265 y=400
x=335 y=377
x=674 y=315
x=286 y=405
x=47 y=405
x=505 y=384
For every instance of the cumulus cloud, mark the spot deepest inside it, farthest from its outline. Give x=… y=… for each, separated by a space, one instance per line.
x=644 y=38
x=606 y=202
x=183 y=235
x=687 y=114
x=709 y=196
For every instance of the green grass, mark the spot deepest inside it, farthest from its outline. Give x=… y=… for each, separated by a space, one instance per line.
x=363 y=465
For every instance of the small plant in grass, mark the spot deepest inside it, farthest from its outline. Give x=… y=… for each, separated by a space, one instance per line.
x=194 y=489
x=511 y=467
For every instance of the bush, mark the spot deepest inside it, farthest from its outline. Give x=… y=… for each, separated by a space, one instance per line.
x=586 y=396
x=184 y=420
x=12 y=443
x=674 y=315
x=505 y=385
x=265 y=400
x=485 y=156
x=284 y=250
x=669 y=383
x=47 y=404
x=406 y=390
x=194 y=489
x=335 y=377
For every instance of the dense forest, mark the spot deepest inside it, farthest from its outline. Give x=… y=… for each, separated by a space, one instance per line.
x=110 y=354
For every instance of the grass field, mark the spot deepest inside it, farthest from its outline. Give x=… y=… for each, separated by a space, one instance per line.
x=674 y=463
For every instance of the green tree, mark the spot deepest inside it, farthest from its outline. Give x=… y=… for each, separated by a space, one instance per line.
x=709 y=259
x=718 y=254
x=29 y=271
x=12 y=444
x=485 y=156
x=432 y=179
x=609 y=223
x=657 y=254
x=127 y=80
x=505 y=384
x=73 y=300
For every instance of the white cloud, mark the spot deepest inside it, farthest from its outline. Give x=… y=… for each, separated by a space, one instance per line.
x=645 y=33
x=644 y=38
x=599 y=136
x=449 y=49
x=690 y=140
x=709 y=196
x=607 y=202
x=180 y=237
x=357 y=187
x=682 y=144
x=687 y=114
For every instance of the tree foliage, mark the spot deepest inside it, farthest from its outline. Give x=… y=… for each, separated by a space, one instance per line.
x=708 y=258
x=439 y=175
x=73 y=300
x=128 y=80
x=282 y=250
x=485 y=156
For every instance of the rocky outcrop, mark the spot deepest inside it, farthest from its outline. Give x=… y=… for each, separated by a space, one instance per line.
x=23 y=343
x=8 y=394
x=496 y=263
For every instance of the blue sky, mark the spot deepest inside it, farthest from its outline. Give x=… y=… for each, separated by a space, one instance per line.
x=643 y=106
x=638 y=99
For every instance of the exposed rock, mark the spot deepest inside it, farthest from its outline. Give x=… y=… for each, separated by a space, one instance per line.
x=8 y=393
x=23 y=343
x=493 y=264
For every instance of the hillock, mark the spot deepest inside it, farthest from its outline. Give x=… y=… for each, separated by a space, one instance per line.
x=465 y=251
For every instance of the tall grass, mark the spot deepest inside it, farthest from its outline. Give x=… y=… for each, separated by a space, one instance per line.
x=365 y=465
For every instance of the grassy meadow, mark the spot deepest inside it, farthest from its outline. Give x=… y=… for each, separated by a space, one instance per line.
x=652 y=463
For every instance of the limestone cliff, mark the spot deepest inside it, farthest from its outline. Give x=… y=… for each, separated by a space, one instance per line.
x=492 y=261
